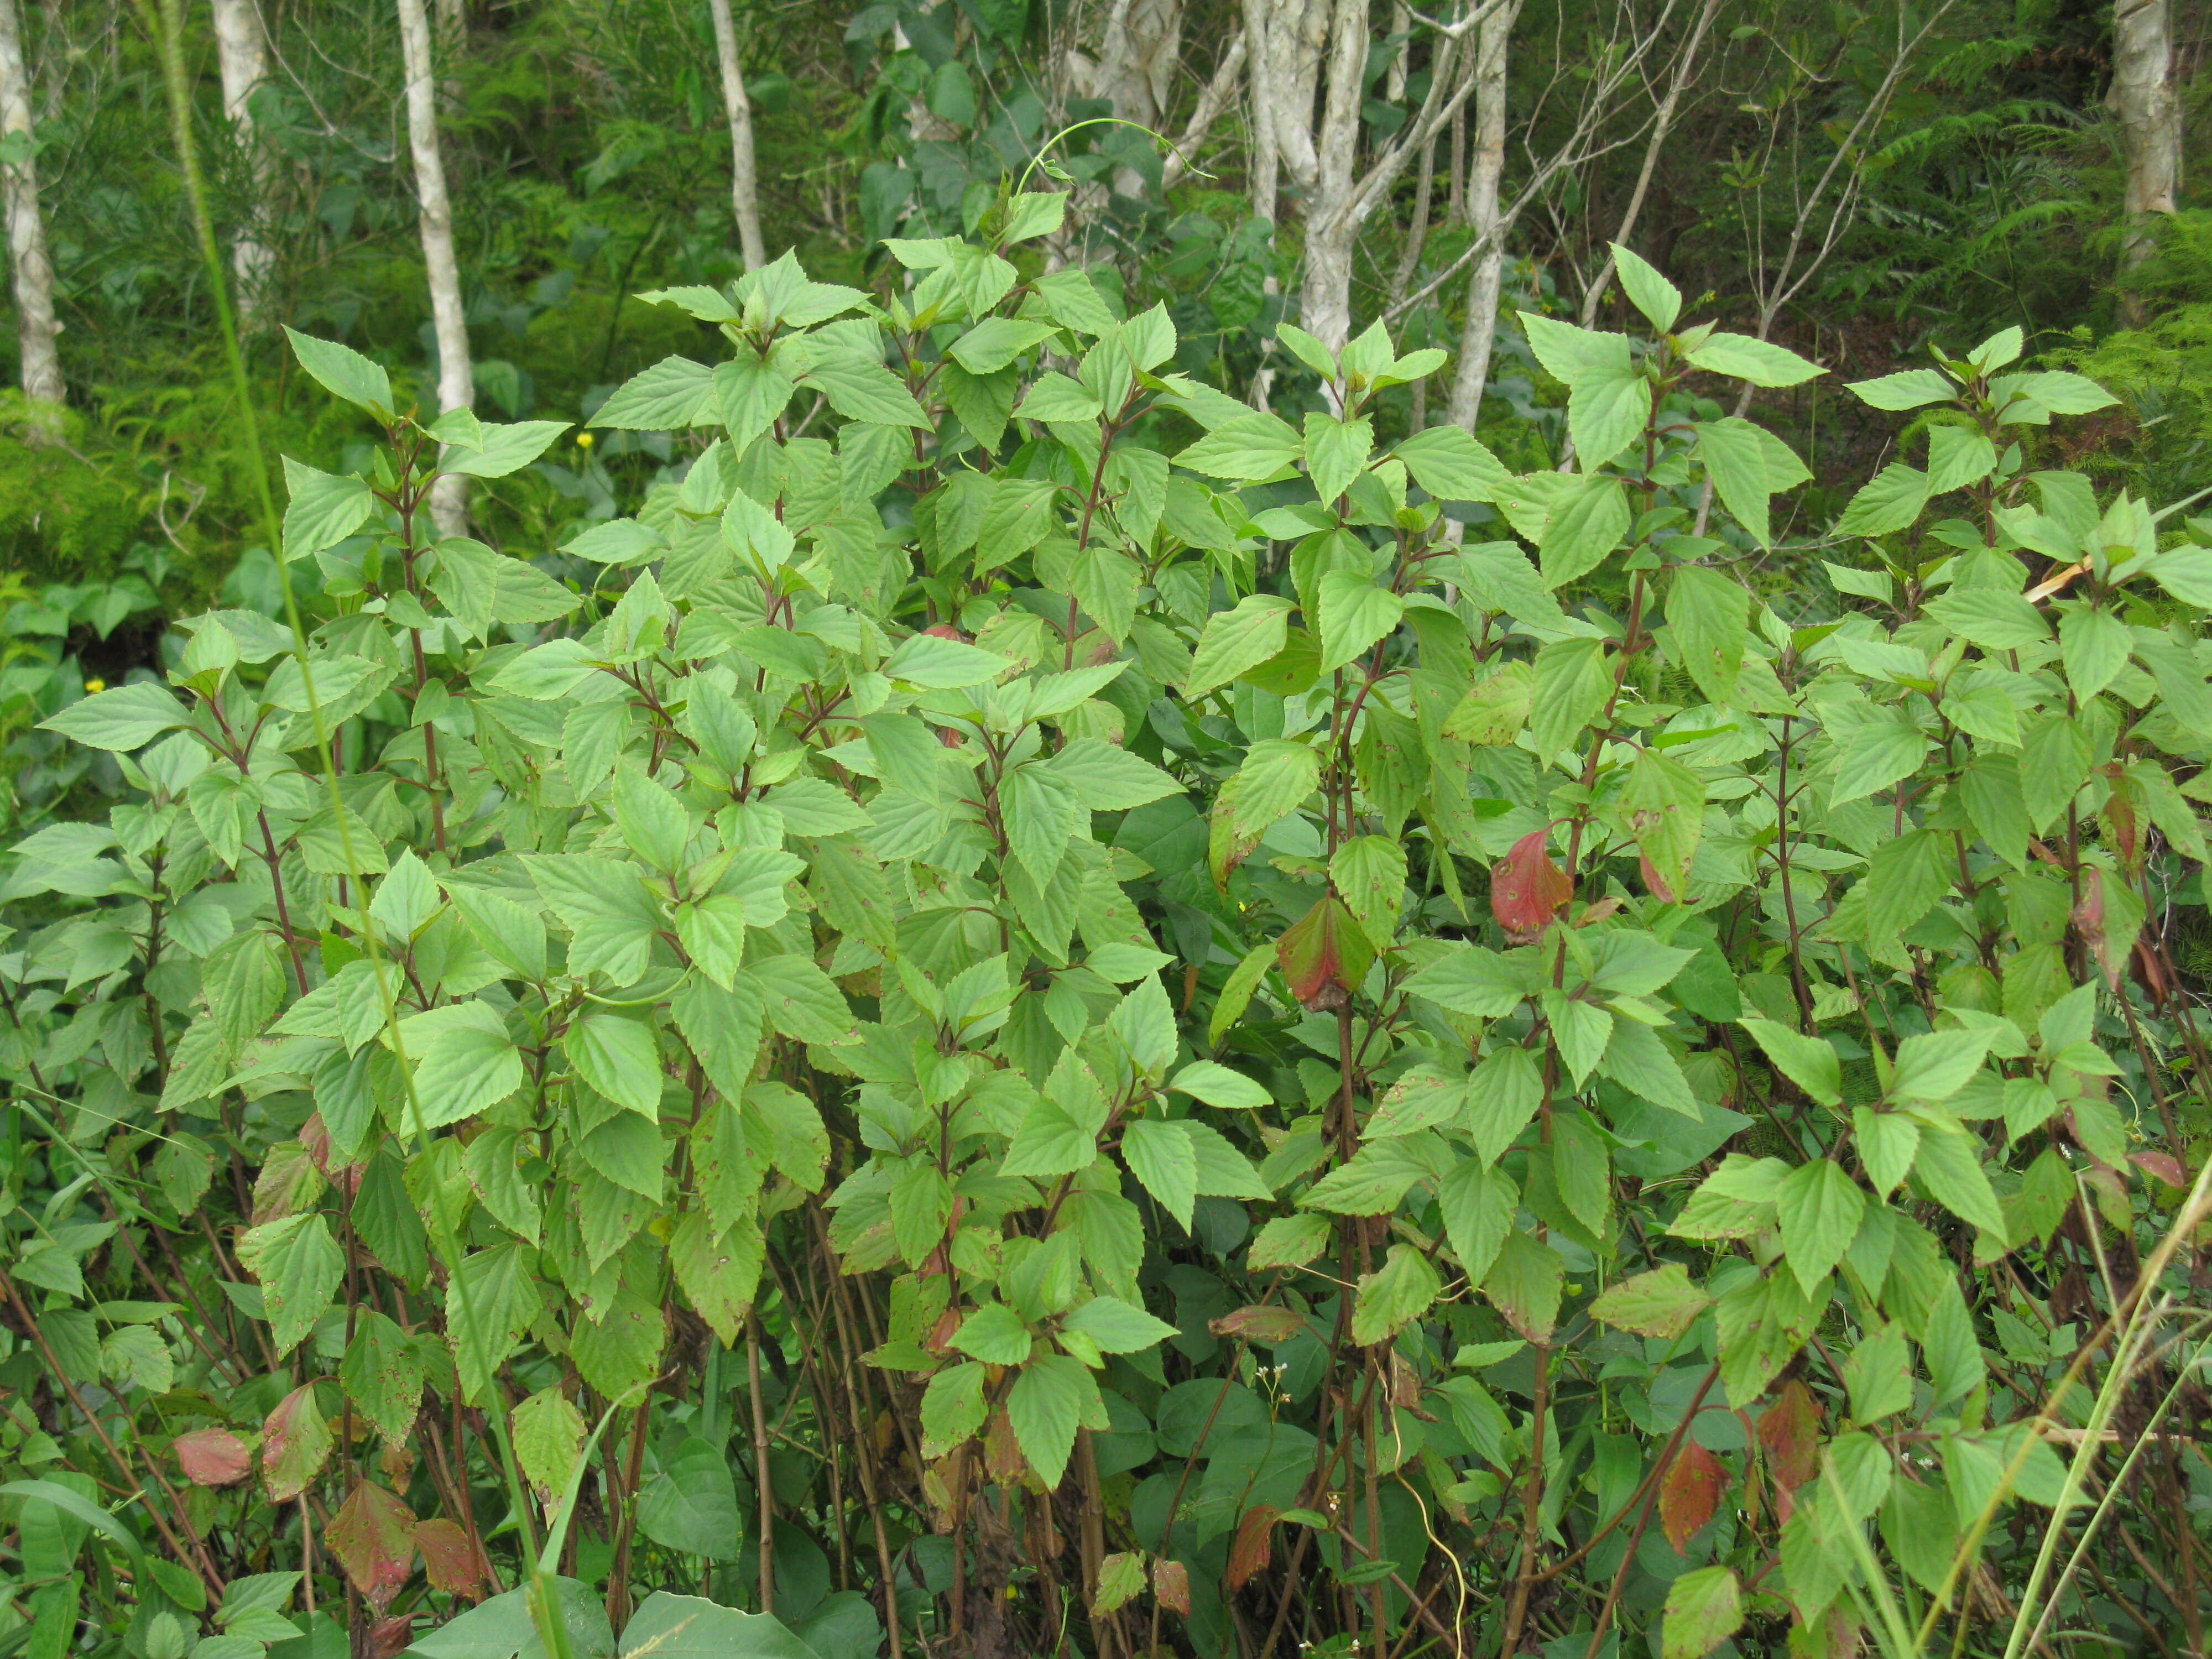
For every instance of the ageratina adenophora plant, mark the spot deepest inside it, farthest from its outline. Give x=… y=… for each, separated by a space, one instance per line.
x=1051 y=1014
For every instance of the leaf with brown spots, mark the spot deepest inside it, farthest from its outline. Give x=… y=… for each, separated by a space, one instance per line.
x=1789 y=1429
x=213 y=1457
x=1526 y=889
x=450 y=1562
x=1171 y=1584
x=373 y=1537
x=1690 y=1493
x=295 y=1444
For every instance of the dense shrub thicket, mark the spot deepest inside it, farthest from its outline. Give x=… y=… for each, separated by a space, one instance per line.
x=1057 y=1015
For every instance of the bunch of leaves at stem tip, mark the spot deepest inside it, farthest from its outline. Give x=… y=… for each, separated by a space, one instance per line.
x=1059 y=1016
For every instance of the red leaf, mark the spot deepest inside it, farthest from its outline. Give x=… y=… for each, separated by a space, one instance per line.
x=372 y=1536
x=946 y=631
x=1689 y=1494
x=1171 y=1584
x=1526 y=889
x=1324 y=956
x=1789 y=1429
x=2165 y=1165
x=449 y=1561
x=213 y=1457
x=1250 y=1552
x=1653 y=883
x=389 y=1637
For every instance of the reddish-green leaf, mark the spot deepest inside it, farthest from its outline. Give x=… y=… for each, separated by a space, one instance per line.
x=295 y=1444
x=1526 y=889
x=372 y=1536
x=1324 y=956
x=450 y=1561
x=1790 y=1430
x=213 y=1457
x=1690 y=1493
x=1249 y=1551
x=1171 y=1584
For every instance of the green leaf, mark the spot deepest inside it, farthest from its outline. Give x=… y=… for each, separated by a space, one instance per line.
x=1217 y=1085
x=1355 y=612
x=1586 y=522
x=344 y=373
x=1107 y=778
x=1912 y=388
x=1478 y=1205
x=300 y=1266
x=383 y=1373
x=1237 y=641
x=1934 y=1065
x=1889 y=501
x=1704 y=1608
x=1336 y=451
x=1118 y=1327
x=1493 y=712
x=936 y=664
x=2095 y=646
x=1735 y=454
x=1249 y=448
x=1820 y=1208
x=862 y=390
x=952 y=1407
x=1395 y=1294
x=500 y=450
x=691 y=1505
x=1056 y=398
x=1161 y=1158
x=1524 y=1284
x=489 y=1302
x=1661 y=1303
x=1041 y=811
x=993 y=1333
x=1991 y=617
x=618 y=1057
x=1759 y=361
x=1873 y=756
x=1046 y=1406
x=1808 y=1063
x=125 y=717
x=1879 y=1375
x=1659 y=300
x=1448 y=463
x=1568 y=684
x=1948 y=1164
x=1887 y=1142
x=997 y=341
x=323 y=508
x=803 y=1002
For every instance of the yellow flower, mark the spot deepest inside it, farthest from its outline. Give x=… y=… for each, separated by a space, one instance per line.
x=583 y=440
x=93 y=685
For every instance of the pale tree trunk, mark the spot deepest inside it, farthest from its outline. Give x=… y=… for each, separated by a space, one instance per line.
x=456 y=382
x=1487 y=169
x=1332 y=227
x=245 y=63
x=1394 y=78
x=1211 y=103
x=1259 y=76
x=2142 y=96
x=744 y=177
x=1137 y=55
x=27 y=226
